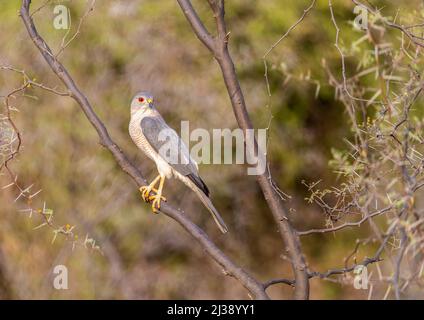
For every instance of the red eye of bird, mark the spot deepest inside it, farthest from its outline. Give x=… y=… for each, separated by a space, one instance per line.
x=141 y=99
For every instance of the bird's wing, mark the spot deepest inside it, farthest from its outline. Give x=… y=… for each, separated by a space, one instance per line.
x=166 y=142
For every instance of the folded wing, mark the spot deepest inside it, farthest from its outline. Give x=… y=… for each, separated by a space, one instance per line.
x=166 y=142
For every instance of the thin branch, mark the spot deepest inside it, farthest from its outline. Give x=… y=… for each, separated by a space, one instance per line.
x=347 y=224
x=331 y=272
x=201 y=32
x=403 y=245
x=290 y=29
x=278 y=281
x=376 y=258
x=404 y=29
x=64 y=45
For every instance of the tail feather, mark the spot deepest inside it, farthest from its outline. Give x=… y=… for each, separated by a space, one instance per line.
x=208 y=204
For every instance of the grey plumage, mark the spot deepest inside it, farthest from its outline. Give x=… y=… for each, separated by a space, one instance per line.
x=154 y=137
x=151 y=128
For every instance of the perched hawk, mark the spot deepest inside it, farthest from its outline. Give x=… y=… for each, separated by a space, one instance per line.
x=153 y=136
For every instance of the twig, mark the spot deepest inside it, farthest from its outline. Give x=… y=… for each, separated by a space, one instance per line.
x=274 y=45
x=403 y=245
x=347 y=224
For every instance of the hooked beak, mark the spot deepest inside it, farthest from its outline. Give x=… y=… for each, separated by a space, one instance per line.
x=150 y=102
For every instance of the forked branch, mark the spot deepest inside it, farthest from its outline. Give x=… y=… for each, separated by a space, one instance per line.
x=249 y=282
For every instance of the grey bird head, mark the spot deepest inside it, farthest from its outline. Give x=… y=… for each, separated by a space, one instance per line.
x=142 y=101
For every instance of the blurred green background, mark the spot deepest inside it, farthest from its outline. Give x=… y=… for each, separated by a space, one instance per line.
x=128 y=46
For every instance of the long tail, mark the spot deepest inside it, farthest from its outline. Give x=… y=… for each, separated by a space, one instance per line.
x=208 y=204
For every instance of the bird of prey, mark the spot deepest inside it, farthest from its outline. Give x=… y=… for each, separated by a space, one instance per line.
x=146 y=129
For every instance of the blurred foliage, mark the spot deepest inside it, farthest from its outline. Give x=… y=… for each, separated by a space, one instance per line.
x=127 y=46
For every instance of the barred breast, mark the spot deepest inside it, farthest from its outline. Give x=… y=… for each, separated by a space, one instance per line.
x=137 y=136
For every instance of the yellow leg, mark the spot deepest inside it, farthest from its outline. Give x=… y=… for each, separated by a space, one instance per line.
x=158 y=196
x=153 y=195
x=145 y=190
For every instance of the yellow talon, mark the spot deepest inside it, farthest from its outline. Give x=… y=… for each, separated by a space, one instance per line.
x=152 y=197
x=147 y=196
x=156 y=203
x=145 y=190
x=156 y=197
x=145 y=193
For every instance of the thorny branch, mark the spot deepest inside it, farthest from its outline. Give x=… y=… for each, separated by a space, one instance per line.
x=342 y=271
x=384 y=169
x=14 y=145
x=417 y=40
x=292 y=27
x=386 y=155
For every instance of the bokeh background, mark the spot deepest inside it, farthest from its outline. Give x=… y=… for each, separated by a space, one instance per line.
x=132 y=45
